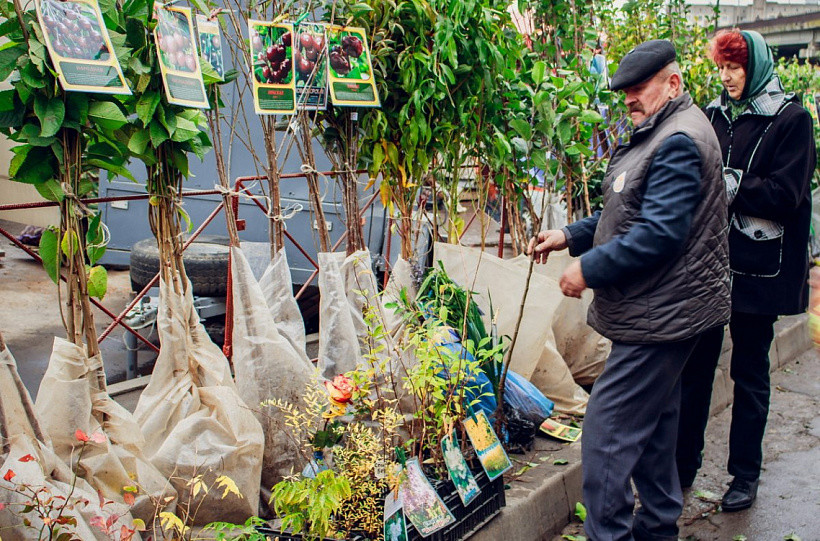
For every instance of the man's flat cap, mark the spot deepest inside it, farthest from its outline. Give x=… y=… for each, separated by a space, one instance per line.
x=642 y=62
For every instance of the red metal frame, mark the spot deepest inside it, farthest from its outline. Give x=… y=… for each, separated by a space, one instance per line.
x=239 y=185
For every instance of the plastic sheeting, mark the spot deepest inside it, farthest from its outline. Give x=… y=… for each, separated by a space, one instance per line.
x=503 y=281
x=266 y=362
x=193 y=419
x=21 y=436
x=72 y=396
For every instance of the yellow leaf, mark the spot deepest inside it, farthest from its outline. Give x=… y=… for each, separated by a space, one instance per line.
x=170 y=521
x=199 y=486
x=403 y=174
x=70 y=243
x=139 y=524
x=225 y=482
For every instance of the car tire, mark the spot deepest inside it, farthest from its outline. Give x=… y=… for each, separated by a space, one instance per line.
x=206 y=264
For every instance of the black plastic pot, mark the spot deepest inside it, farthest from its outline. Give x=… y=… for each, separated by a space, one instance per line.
x=486 y=505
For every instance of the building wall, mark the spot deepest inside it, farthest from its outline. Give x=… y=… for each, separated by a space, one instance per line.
x=15 y=192
x=744 y=12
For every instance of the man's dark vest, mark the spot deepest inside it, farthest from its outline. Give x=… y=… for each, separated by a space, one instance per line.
x=689 y=293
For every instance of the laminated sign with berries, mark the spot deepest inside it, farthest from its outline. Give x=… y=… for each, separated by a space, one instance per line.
x=274 y=85
x=351 y=72
x=80 y=47
x=210 y=44
x=310 y=59
x=178 y=58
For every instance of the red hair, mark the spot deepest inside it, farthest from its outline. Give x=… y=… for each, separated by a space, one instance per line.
x=729 y=46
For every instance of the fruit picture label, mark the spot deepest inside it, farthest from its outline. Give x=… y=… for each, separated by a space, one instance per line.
x=178 y=59
x=79 y=46
x=310 y=61
x=351 y=71
x=210 y=43
x=272 y=57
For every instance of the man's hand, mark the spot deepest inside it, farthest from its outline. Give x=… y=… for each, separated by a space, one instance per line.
x=572 y=281
x=545 y=242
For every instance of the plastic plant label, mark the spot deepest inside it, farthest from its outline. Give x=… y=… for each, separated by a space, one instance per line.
x=487 y=446
x=310 y=63
x=80 y=47
x=352 y=83
x=210 y=43
x=422 y=505
x=274 y=86
x=460 y=473
x=395 y=525
x=178 y=58
x=560 y=431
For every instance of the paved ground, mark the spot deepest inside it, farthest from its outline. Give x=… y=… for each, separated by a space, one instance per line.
x=789 y=496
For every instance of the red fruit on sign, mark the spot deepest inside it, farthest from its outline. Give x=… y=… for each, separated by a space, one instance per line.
x=287 y=39
x=306 y=40
x=304 y=66
x=312 y=54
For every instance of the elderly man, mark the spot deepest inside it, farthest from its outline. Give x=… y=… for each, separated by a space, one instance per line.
x=656 y=257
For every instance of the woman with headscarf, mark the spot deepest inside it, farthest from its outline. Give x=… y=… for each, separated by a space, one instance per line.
x=767 y=141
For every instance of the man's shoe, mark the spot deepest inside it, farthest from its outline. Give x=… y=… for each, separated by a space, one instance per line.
x=740 y=496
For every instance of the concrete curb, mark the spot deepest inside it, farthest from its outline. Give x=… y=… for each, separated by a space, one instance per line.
x=541 y=502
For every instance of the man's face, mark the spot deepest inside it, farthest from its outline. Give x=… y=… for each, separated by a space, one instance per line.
x=645 y=99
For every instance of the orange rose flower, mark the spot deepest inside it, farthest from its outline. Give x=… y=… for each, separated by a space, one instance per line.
x=340 y=389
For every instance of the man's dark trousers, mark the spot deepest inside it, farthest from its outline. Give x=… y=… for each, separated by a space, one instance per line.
x=630 y=431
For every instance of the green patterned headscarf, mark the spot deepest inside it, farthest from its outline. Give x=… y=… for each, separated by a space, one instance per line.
x=759 y=67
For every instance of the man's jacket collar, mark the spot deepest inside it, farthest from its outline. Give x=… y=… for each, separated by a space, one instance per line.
x=684 y=101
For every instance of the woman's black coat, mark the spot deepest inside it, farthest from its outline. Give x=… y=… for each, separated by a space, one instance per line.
x=776 y=187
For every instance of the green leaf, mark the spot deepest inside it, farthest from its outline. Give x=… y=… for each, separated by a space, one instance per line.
x=77 y=108
x=538 y=71
x=209 y=74
x=30 y=133
x=7 y=99
x=580 y=511
x=135 y=32
x=95 y=239
x=49 y=254
x=522 y=127
x=9 y=53
x=29 y=74
x=591 y=116
x=51 y=114
x=36 y=165
x=107 y=115
x=180 y=161
x=111 y=168
x=560 y=462
x=157 y=133
x=97 y=282
x=50 y=190
x=185 y=131
x=136 y=65
x=139 y=142
x=147 y=105
x=565 y=132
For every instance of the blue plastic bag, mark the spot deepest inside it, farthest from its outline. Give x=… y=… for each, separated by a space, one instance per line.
x=525 y=397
